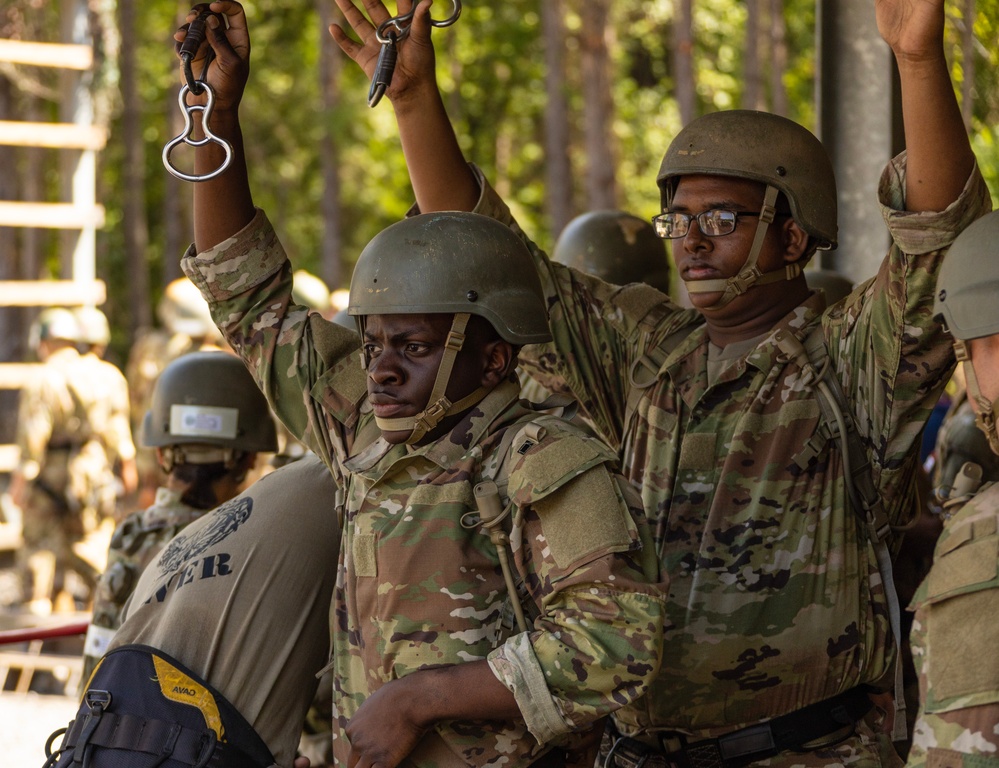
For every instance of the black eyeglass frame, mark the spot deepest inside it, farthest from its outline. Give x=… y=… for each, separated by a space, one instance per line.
x=729 y=218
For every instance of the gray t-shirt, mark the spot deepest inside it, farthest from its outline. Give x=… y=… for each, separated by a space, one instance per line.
x=242 y=596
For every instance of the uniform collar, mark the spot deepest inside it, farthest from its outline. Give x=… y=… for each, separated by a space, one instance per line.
x=688 y=368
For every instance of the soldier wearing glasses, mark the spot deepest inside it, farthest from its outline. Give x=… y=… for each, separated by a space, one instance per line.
x=778 y=617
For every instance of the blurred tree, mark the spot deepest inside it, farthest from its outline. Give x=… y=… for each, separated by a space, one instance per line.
x=329 y=170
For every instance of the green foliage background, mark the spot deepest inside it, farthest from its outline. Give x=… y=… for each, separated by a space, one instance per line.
x=491 y=67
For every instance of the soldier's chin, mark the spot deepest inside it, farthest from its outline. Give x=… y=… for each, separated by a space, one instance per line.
x=396 y=436
x=704 y=301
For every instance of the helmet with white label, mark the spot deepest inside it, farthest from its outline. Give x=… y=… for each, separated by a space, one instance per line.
x=208 y=399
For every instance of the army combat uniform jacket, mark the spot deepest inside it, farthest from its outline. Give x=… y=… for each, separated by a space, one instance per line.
x=954 y=639
x=135 y=543
x=775 y=600
x=418 y=579
x=111 y=418
x=61 y=453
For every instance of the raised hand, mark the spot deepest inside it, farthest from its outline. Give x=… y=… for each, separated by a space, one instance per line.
x=414 y=73
x=912 y=28
x=229 y=40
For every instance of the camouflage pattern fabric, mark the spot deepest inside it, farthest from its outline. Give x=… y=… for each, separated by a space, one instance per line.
x=775 y=597
x=418 y=582
x=111 y=419
x=136 y=543
x=62 y=460
x=954 y=643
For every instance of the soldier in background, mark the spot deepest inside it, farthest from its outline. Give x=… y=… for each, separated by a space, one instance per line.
x=954 y=633
x=615 y=246
x=63 y=465
x=112 y=418
x=186 y=327
x=207 y=422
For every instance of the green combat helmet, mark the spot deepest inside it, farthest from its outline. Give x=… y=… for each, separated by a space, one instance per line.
x=965 y=302
x=615 y=246
x=833 y=284
x=762 y=147
x=450 y=263
x=310 y=291
x=342 y=318
x=55 y=323
x=206 y=408
x=94 y=328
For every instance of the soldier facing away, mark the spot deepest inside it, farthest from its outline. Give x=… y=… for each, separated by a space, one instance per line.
x=63 y=472
x=779 y=622
x=238 y=601
x=954 y=633
x=206 y=422
x=113 y=418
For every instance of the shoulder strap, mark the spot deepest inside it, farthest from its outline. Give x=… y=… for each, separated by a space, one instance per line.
x=645 y=368
x=812 y=357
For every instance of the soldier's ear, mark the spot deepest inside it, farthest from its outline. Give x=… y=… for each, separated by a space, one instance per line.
x=498 y=360
x=794 y=240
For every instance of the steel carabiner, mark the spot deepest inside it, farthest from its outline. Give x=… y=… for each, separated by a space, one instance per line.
x=404 y=21
x=196 y=33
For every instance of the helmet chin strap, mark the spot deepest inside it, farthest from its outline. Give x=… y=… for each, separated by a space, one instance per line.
x=750 y=274
x=438 y=406
x=986 y=413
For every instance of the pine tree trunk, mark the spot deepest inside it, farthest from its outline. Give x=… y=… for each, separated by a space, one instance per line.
x=558 y=171
x=330 y=66
x=598 y=140
x=683 y=59
x=134 y=226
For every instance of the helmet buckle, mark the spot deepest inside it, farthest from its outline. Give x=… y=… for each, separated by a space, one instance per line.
x=433 y=414
x=454 y=341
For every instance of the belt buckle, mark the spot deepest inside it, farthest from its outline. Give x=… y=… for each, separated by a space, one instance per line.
x=754 y=740
x=704 y=754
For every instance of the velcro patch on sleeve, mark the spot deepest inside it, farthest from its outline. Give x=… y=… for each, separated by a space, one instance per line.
x=584 y=518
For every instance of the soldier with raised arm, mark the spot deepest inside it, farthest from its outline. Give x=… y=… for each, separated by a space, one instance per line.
x=743 y=419
x=497 y=592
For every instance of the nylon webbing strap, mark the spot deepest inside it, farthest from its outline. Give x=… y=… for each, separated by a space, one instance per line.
x=645 y=368
x=863 y=494
x=148 y=736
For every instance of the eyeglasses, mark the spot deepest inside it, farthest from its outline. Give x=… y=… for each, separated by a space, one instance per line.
x=713 y=223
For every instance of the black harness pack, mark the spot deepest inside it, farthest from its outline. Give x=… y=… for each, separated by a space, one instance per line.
x=143 y=709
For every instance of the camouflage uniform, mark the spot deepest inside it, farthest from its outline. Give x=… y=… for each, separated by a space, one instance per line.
x=135 y=543
x=953 y=643
x=111 y=421
x=776 y=601
x=416 y=587
x=64 y=464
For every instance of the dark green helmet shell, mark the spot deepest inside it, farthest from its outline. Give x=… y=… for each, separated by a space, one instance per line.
x=450 y=262
x=209 y=398
x=968 y=283
x=761 y=147
x=615 y=246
